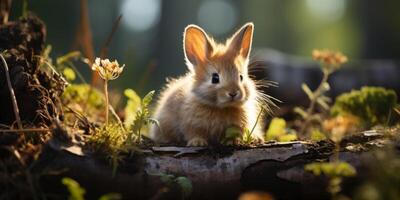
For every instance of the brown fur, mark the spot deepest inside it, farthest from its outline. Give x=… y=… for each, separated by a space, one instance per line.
x=193 y=110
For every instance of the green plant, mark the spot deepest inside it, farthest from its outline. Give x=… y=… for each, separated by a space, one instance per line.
x=66 y=66
x=277 y=130
x=373 y=105
x=112 y=139
x=234 y=134
x=115 y=139
x=83 y=94
x=77 y=192
x=335 y=171
x=133 y=104
x=330 y=62
x=185 y=185
x=317 y=135
x=138 y=114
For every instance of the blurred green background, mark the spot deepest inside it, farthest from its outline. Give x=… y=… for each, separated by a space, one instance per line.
x=149 y=37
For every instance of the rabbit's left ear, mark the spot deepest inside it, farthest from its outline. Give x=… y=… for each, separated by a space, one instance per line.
x=196 y=45
x=240 y=42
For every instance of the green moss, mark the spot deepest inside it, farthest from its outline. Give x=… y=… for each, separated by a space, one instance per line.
x=278 y=131
x=331 y=169
x=317 y=135
x=78 y=94
x=372 y=105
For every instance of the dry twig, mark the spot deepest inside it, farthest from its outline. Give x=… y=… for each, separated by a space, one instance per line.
x=12 y=94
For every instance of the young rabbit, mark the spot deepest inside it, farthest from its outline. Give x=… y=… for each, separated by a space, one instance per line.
x=215 y=93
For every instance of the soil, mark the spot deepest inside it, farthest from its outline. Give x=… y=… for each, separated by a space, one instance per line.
x=37 y=93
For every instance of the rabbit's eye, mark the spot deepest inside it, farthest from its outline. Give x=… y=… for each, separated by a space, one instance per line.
x=241 y=77
x=215 y=78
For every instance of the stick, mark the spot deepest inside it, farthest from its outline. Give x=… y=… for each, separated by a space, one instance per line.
x=104 y=49
x=25 y=130
x=12 y=94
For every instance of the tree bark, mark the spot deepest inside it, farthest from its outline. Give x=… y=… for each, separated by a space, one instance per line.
x=216 y=173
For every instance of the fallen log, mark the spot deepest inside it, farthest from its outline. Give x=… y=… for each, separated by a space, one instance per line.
x=219 y=172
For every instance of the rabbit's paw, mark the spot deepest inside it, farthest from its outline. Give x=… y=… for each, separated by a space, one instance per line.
x=197 y=142
x=258 y=139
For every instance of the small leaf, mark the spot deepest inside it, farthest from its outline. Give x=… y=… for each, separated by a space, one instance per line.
x=397 y=109
x=307 y=90
x=232 y=132
x=131 y=108
x=75 y=190
x=334 y=169
x=345 y=169
x=69 y=74
x=185 y=185
x=325 y=87
x=167 y=178
x=314 y=168
x=131 y=94
x=323 y=104
x=317 y=135
x=301 y=112
x=326 y=99
x=148 y=98
x=111 y=196
x=67 y=57
x=46 y=52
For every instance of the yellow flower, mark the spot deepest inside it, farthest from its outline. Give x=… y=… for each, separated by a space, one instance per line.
x=107 y=70
x=331 y=59
x=340 y=125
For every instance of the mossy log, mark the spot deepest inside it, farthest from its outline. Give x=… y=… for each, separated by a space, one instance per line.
x=222 y=172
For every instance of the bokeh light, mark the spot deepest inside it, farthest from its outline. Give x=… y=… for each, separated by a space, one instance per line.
x=141 y=15
x=218 y=17
x=327 y=10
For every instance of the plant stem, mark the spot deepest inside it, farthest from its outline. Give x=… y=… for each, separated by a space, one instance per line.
x=316 y=94
x=337 y=151
x=106 y=96
x=139 y=134
x=12 y=94
x=258 y=118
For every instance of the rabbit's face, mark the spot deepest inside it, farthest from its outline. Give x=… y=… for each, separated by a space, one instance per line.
x=222 y=83
x=219 y=71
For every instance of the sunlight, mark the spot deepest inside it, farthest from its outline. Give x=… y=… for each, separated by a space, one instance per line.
x=141 y=15
x=327 y=10
x=218 y=17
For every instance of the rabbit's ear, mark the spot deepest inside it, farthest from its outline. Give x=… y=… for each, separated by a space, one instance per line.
x=240 y=42
x=196 y=45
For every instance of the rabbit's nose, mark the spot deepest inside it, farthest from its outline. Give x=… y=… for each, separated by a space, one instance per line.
x=233 y=94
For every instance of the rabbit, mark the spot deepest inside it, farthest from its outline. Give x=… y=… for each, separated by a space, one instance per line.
x=216 y=92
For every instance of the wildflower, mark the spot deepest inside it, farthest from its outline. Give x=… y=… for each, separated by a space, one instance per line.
x=332 y=60
x=340 y=126
x=106 y=69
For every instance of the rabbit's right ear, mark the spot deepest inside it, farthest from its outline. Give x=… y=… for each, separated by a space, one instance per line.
x=196 y=45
